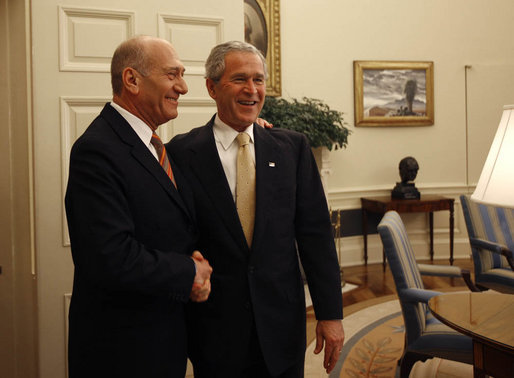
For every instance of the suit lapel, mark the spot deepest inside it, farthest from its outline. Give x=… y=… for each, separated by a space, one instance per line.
x=207 y=167
x=142 y=154
x=267 y=157
x=186 y=194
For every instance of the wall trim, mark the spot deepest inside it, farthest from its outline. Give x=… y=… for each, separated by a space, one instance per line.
x=349 y=198
x=351 y=248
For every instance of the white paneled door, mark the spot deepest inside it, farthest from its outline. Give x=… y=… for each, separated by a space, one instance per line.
x=72 y=44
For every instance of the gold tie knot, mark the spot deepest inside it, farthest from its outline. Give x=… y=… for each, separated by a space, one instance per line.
x=243 y=139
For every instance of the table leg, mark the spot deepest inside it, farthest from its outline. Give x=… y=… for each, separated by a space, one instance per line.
x=451 y=232
x=431 y=223
x=478 y=360
x=365 y=234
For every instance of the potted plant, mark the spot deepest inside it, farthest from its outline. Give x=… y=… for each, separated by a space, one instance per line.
x=322 y=126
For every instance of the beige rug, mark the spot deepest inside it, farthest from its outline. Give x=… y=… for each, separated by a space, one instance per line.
x=373 y=344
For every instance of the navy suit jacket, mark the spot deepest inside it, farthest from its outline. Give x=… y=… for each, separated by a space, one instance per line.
x=131 y=236
x=261 y=284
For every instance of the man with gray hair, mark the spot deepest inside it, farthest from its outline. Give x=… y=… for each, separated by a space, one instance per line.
x=260 y=204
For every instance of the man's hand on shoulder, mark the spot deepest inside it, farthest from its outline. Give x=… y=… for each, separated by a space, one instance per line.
x=330 y=333
x=263 y=123
x=202 y=282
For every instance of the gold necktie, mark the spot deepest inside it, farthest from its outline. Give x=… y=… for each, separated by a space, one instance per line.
x=245 y=186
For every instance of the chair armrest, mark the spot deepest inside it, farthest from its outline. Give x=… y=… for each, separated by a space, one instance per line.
x=417 y=295
x=440 y=270
x=493 y=247
x=448 y=271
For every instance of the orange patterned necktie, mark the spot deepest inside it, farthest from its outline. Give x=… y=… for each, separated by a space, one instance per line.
x=163 y=157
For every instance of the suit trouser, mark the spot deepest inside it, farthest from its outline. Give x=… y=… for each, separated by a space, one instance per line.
x=255 y=367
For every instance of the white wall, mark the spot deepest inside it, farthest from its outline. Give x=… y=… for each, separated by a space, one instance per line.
x=320 y=41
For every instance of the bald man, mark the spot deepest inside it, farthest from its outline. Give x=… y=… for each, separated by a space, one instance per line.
x=132 y=227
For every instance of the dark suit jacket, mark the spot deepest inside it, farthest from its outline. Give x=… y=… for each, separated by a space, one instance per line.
x=131 y=233
x=264 y=284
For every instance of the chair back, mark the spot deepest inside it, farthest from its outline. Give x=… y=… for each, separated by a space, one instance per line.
x=404 y=269
x=491 y=223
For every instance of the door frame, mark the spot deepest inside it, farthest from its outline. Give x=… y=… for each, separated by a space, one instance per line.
x=18 y=290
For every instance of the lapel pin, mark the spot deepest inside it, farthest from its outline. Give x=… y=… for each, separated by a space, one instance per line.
x=271 y=164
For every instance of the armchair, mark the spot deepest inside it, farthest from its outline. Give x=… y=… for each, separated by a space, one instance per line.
x=491 y=236
x=425 y=336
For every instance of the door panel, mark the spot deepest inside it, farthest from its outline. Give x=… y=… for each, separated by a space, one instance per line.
x=72 y=42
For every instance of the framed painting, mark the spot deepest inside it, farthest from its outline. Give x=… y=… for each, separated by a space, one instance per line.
x=393 y=93
x=262 y=29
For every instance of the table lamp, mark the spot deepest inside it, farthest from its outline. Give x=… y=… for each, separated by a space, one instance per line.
x=496 y=183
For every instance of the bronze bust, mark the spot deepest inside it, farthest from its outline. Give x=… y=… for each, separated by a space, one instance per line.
x=408 y=171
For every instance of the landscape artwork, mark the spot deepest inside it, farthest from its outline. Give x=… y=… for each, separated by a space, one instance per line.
x=393 y=93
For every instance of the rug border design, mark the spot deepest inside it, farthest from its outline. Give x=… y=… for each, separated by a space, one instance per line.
x=349 y=344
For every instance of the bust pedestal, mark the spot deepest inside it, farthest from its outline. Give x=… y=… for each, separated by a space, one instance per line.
x=405 y=191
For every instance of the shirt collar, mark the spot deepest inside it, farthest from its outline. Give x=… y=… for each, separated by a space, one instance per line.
x=226 y=134
x=142 y=129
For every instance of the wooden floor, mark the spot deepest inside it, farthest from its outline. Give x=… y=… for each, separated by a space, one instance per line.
x=373 y=282
x=376 y=286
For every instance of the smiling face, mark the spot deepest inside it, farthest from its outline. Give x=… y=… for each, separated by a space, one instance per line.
x=158 y=93
x=240 y=92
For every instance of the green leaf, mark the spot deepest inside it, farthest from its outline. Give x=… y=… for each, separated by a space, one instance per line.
x=384 y=359
x=358 y=365
x=369 y=346
x=321 y=125
x=362 y=354
x=380 y=369
x=383 y=342
x=352 y=374
x=390 y=350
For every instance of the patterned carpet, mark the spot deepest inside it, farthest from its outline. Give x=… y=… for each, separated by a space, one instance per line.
x=373 y=344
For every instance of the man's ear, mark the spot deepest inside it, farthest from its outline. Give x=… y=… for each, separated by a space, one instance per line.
x=131 y=80
x=211 y=88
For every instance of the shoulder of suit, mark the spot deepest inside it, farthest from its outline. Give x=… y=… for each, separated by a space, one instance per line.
x=286 y=135
x=190 y=135
x=182 y=142
x=96 y=131
x=99 y=135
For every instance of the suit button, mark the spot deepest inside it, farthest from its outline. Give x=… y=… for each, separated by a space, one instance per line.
x=248 y=305
x=251 y=269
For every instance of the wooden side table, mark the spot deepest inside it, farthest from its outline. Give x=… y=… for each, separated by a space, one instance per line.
x=426 y=204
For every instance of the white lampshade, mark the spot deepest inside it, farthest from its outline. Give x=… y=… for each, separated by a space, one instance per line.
x=496 y=183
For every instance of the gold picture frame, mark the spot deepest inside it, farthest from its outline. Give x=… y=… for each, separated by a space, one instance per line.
x=393 y=93
x=262 y=29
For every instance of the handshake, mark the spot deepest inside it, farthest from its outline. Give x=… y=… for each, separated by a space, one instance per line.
x=202 y=283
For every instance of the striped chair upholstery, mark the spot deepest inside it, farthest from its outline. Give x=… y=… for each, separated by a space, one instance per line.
x=425 y=336
x=491 y=233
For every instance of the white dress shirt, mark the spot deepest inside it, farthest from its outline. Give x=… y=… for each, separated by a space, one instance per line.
x=226 y=143
x=143 y=131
